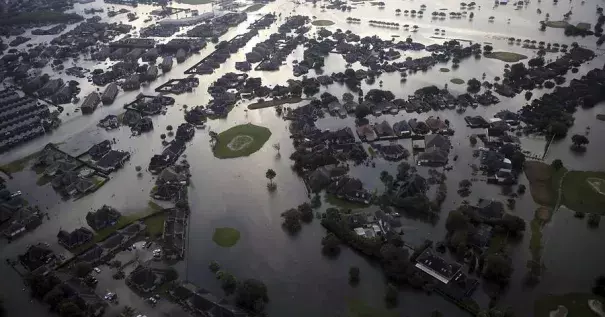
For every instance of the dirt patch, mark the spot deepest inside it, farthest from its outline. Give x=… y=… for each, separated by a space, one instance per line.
x=240 y=142
x=539 y=175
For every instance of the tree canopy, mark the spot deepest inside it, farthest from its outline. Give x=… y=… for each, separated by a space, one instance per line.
x=251 y=295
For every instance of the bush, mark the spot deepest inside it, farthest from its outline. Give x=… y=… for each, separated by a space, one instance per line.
x=556 y=164
x=391 y=295
x=594 y=220
x=330 y=245
x=251 y=295
x=214 y=267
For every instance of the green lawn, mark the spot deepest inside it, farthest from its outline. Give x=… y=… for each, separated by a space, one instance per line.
x=43 y=180
x=225 y=237
x=579 y=195
x=576 y=303
x=341 y=203
x=254 y=7
x=224 y=147
x=18 y=165
x=273 y=103
x=359 y=308
x=508 y=57
x=155 y=225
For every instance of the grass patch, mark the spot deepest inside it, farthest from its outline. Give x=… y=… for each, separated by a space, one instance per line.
x=43 y=180
x=535 y=242
x=508 y=57
x=444 y=70
x=457 y=81
x=579 y=194
x=359 y=308
x=18 y=165
x=322 y=23
x=273 y=103
x=225 y=237
x=194 y=2
x=371 y=151
x=556 y=24
x=155 y=225
x=576 y=303
x=254 y=7
x=341 y=203
x=255 y=137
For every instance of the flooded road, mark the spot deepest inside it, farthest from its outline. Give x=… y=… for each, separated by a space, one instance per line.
x=232 y=192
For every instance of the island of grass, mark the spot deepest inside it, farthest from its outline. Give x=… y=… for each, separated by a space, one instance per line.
x=273 y=103
x=322 y=23
x=241 y=140
x=576 y=304
x=194 y=2
x=225 y=237
x=556 y=24
x=255 y=7
x=457 y=81
x=444 y=70
x=508 y=57
x=580 y=190
x=18 y=165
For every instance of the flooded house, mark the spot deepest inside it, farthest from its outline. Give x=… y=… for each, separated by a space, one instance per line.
x=90 y=103
x=104 y=217
x=132 y=83
x=166 y=64
x=110 y=94
x=113 y=160
x=36 y=256
x=74 y=239
x=50 y=88
x=181 y=55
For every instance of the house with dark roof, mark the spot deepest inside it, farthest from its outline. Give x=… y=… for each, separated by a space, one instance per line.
x=437 y=267
x=392 y=151
x=170 y=175
x=92 y=255
x=490 y=209
x=24 y=219
x=74 y=239
x=433 y=157
x=418 y=127
x=104 y=217
x=384 y=130
x=435 y=124
x=84 y=296
x=146 y=279
x=113 y=160
x=402 y=128
x=366 y=133
x=99 y=150
x=36 y=256
x=437 y=141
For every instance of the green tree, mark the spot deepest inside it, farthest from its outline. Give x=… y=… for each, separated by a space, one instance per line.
x=291 y=220
x=386 y=179
x=556 y=164
x=391 y=295
x=228 y=283
x=557 y=130
x=354 y=275
x=498 y=268
x=214 y=267
x=403 y=170
x=270 y=174
x=67 y=308
x=457 y=221
x=579 y=142
x=330 y=245
x=306 y=212
x=251 y=295
x=127 y=312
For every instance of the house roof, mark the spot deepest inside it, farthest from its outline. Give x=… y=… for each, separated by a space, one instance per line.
x=384 y=129
x=436 y=266
x=35 y=256
x=437 y=141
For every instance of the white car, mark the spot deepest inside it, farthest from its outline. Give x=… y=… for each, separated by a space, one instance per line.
x=16 y=194
x=98 y=270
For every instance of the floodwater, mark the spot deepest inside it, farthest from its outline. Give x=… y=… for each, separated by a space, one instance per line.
x=232 y=192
